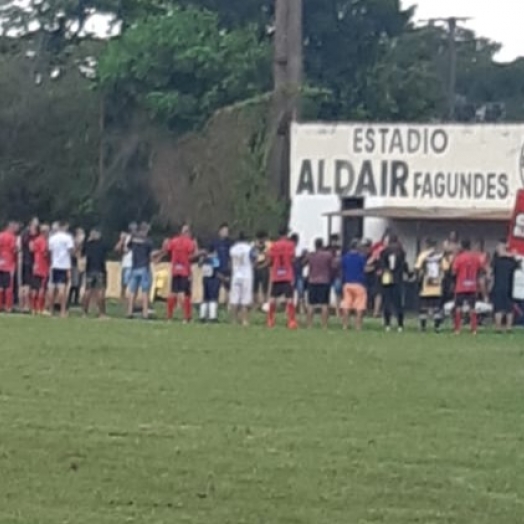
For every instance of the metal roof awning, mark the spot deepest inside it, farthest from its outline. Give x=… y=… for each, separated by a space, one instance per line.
x=426 y=213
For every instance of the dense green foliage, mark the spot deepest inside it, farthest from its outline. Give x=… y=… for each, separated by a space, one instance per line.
x=89 y=148
x=182 y=67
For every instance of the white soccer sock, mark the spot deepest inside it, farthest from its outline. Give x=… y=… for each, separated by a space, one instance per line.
x=203 y=311
x=213 y=310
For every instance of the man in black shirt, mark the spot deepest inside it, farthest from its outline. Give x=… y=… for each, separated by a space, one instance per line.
x=392 y=268
x=222 y=247
x=141 y=246
x=503 y=266
x=95 y=253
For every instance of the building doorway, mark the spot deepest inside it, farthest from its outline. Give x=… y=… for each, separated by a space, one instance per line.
x=352 y=227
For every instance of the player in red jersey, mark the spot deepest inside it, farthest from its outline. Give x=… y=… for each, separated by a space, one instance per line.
x=282 y=257
x=8 y=260
x=467 y=268
x=41 y=267
x=183 y=250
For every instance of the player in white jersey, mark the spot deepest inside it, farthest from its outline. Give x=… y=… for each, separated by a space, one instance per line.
x=242 y=268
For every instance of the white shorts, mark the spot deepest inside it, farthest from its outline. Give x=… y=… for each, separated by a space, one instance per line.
x=241 y=293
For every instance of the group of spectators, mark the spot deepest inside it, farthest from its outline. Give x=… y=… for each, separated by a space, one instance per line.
x=52 y=265
x=41 y=267
x=452 y=278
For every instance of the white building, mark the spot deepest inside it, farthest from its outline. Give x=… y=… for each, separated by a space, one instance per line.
x=420 y=180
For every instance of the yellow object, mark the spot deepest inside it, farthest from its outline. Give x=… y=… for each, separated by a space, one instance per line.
x=432 y=265
x=160 y=287
x=161 y=281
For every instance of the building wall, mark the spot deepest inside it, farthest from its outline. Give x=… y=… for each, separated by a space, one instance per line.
x=405 y=166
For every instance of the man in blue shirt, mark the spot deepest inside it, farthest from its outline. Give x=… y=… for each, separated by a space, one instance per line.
x=353 y=270
x=222 y=247
x=210 y=285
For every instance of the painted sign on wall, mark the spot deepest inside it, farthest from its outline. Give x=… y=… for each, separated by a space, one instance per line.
x=409 y=165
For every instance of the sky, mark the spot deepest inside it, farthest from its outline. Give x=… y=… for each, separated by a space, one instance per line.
x=499 y=20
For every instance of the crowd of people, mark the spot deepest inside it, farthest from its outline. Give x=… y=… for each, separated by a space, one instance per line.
x=47 y=267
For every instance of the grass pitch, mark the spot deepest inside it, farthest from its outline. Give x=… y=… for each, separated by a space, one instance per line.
x=116 y=422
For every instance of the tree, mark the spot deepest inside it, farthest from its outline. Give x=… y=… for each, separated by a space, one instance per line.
x=48 y=143
x=238 y=13
x=182 y=67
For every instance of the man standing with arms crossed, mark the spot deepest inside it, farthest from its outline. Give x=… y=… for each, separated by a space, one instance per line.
x=8 y=259
x=183 y=250
x=61 y=248
x=282 y=257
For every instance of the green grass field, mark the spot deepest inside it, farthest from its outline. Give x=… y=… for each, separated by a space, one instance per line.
x=119 y=421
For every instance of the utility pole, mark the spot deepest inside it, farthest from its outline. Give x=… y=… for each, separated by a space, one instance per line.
x=287 y=71
x=295 y=53
x=452 y=23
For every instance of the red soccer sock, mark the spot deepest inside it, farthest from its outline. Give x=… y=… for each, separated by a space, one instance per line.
x=171 y=306
x=458 y=320
x=41 y=302
x=187 y=308
x=291 y=313
x=474 y=321
x=271 y=314
x=34 y=302
x=9 y=299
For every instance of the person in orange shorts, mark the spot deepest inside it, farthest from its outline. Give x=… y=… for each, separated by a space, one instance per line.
x=353 y=269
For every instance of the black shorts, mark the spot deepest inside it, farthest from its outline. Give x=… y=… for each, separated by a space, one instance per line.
x=95 y=280
x=261 y=280
x=211 y=289
x=38 y=283
x=282 y=289
x=466 y=299
x=427 y=303
x=180 y=285
x=319 y=294
x=27 y=275
x=59 y=277
x=502 y=302
x=6 y=280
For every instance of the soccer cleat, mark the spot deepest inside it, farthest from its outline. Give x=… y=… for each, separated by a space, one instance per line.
x=292 y=325
x=270 y=324
x=400 y=330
